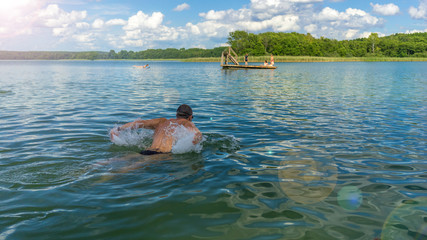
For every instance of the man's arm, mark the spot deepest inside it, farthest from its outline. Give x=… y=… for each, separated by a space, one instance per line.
x=198 y=135
x=148 y=124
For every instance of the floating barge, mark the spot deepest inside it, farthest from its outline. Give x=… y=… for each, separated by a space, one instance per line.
x=229 y=61
x=232 y=66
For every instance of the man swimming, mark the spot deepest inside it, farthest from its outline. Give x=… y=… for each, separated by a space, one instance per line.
x=164 y=129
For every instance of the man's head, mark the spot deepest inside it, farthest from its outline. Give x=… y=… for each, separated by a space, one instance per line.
x=184 y=111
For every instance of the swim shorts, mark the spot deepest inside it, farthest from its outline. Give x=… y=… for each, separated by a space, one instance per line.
x=150 y=152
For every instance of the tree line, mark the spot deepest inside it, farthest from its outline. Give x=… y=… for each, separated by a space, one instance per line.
x=297 y=44
x=279 y=44
x=169 y=53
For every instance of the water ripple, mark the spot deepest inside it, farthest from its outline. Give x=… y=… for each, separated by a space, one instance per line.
x=337 y=152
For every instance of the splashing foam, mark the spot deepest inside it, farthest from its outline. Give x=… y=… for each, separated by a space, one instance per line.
x=142 y=138
x=184 y=141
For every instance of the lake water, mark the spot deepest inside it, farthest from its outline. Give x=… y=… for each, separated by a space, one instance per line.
x=306 y=151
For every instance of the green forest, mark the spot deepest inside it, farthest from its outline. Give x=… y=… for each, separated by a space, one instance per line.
x=279 y=44
x=169 y=53
x=297 y=44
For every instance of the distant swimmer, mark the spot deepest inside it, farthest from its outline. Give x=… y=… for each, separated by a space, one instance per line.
x=145 y=66
x=164 y=129
x=271 y=60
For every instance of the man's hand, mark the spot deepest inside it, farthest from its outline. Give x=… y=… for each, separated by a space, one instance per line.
x=197 y=138
x=114 y=132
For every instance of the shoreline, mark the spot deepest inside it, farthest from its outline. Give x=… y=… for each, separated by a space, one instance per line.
x=260 y=59
x=257 y=59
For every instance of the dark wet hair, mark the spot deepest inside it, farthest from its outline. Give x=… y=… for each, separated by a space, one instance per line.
x=184 y=111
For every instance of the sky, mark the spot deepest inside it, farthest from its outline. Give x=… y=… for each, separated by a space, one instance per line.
x=103 y=25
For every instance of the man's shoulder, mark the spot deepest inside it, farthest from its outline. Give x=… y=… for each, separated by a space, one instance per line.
x=157 y=121
x=162 y=120
x=182 y=121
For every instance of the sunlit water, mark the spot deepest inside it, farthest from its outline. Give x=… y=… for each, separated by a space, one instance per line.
x=306 y=151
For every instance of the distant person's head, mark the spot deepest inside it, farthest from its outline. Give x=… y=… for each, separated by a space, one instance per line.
x=184 y=111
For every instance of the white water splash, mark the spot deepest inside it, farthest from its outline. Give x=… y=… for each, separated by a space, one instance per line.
x=142 y=138
x=184 y=141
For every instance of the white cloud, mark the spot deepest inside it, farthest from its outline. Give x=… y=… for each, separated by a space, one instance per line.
x=305 y=1
x=367 y=34
x=82 y=25
x=228 y=15
x=263 y=15
x=98 y=24
x=220 y=23
x=360 y=19
x=328 y=14
x=341 y=25
x=355 y=12
x=210 y=29
x=59 y=31
x=416 y=31
x=147 y=30
x=55 y=17
x=14 y=10
x=420 y=12
x=68 y=26
x=310 y=28
x=213 y=15
x=266 y=9
x=143 y=21
x=84 y=38
x=182 y=7
x=133 y=42
x=18 y=17
x=194 y=29
x=351 y=33
x=386 y=9
x=116 y=22
x=143 y=30
x=284 y=23
x=351 y=18
x=286 y=16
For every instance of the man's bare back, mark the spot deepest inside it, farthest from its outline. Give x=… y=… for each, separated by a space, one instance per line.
x=164 y=129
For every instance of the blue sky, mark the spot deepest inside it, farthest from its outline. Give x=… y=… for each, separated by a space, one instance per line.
x=80 y=25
